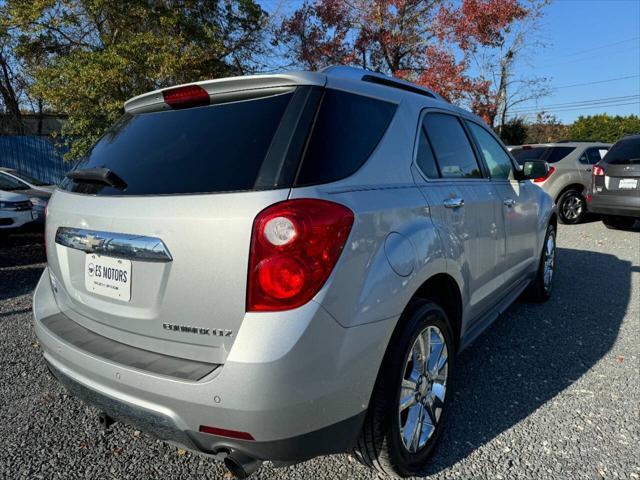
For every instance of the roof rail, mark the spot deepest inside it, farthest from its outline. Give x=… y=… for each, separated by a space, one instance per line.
x=378 y=78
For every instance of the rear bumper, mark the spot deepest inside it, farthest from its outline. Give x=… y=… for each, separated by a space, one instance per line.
x=300 y=392
x=610 y=205
x=334 y=438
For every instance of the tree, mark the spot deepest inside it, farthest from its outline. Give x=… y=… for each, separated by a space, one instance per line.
x=547 y=128
x=11 y=82
x=89 y=56
x=428 y=42
x=497 y=63
x=604 y=127
x=514 y=132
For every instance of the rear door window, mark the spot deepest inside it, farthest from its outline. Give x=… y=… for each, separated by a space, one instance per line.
x=424 y=158
x=453 y=152
x=558 y=153
x=347 y=129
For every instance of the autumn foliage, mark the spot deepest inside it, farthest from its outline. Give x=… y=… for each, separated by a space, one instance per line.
x=429 y=42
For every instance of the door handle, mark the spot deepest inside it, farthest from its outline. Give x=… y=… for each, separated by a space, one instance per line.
x=509 y=202
x=456 y=202
x=587 y=169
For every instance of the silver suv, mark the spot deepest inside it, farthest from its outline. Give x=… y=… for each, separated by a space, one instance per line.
x=568 y=180
x=283 y=266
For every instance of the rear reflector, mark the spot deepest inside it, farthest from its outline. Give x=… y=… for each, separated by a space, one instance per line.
x=542 y=179
x=186 y=97
x=223 y=432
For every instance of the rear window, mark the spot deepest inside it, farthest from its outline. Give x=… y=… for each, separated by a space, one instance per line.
x=214 y=148
x=549 y=154
x=624 y=152
x=347 y=129
x=254 y=144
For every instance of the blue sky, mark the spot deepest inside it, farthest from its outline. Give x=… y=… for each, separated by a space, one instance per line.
x=586 y=41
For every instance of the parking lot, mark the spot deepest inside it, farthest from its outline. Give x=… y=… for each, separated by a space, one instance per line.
x=549 y=391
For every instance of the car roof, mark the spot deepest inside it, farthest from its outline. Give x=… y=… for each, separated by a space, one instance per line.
x=359 y=80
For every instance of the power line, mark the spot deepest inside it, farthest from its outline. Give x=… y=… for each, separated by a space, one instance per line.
x=596 y=82
x=600 y=47
x=595 y=101
x=569 y=109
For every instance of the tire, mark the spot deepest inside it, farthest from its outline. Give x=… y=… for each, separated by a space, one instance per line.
x=539 y=290
x=572 y=207
x=380 y=445
x=616 y=222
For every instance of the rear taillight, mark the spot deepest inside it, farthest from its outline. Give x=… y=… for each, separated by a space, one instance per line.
x=185 y=97
x=542 y=179
x=597 y=171
x=294 y=246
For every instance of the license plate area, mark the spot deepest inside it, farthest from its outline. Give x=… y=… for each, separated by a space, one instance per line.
x=108 y=276
x=628 y=183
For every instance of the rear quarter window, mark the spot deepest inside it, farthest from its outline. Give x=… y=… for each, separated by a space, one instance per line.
x=347 y=129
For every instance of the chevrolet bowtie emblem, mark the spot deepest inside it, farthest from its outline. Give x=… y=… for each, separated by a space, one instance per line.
x=92 y=241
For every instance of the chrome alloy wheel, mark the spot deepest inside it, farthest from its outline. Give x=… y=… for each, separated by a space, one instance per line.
x=549 y=261
x=572 y=207
x=423 y=389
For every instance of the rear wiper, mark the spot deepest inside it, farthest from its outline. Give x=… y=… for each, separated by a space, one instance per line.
x=98 y=175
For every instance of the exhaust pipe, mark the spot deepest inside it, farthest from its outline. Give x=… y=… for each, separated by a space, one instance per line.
x=241 y=465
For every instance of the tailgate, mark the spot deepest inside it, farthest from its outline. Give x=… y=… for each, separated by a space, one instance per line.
x=190 y=304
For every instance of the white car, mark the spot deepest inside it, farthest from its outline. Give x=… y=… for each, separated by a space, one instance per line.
x=15 y=210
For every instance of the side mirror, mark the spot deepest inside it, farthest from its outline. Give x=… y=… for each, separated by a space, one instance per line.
x=534 y=169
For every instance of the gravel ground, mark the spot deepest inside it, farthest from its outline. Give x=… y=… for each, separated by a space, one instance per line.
x=549 y=391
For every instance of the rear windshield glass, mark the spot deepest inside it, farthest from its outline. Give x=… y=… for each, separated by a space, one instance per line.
x=346 y=131
x=206 y=149
x=625 y=152
x=549 y=154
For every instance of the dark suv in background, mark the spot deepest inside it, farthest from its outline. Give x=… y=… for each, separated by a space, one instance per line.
x=615 y=191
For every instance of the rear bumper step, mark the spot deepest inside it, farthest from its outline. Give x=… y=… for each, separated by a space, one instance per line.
x=103 y=347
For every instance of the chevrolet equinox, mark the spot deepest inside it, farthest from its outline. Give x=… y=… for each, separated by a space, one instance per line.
x=276 y=267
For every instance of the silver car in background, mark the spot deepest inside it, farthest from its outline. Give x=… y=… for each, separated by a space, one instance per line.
x=282 y=266
x=568 y=180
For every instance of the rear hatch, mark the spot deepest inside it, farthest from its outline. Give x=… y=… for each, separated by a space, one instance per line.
x=148 y=242
x=620 y=179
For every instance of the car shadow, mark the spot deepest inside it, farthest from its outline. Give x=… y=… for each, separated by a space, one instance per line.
x=534 y=352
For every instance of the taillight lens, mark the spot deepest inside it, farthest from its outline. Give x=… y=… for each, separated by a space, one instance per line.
x=185 y=97
x=294 y=246
x=597 y=171
x=542 y=179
